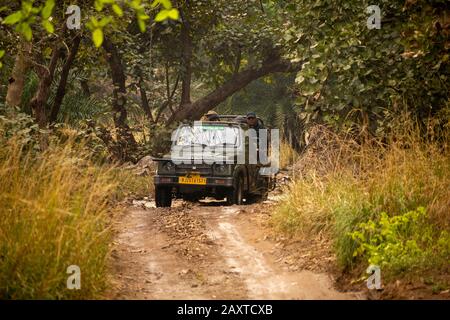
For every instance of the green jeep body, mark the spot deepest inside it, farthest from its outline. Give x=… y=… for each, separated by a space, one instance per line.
x=216 y=174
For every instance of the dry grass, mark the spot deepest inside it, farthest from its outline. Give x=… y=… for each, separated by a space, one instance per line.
x=342 y=182
x=55 y=211
x=288 y=155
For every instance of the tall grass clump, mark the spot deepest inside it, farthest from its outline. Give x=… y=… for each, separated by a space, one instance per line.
x=347 y=187
x=55 y=211
x=288 y=155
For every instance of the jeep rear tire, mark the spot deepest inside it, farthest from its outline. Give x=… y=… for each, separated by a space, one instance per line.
x=256 y=198
x=163 y=197
x=235 y=194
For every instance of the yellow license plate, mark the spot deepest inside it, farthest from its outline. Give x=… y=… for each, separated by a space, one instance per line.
x=193 y=179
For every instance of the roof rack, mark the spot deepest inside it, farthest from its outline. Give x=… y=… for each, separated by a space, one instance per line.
x=232 y=117
x=228 y=118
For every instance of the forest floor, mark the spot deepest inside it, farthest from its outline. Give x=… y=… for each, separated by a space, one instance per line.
x=207 y=250
x=210 y=251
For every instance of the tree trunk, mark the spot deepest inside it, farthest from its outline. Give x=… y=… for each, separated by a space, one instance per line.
x=61 y=91
x=168 y=102
x=124 y=136
x=186 y=43
x=144 y=100
x=39 y=101
x=240 y=80
x=19 y=72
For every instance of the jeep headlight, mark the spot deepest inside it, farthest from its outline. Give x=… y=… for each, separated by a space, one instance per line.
x=166 y=167
x=222 y=169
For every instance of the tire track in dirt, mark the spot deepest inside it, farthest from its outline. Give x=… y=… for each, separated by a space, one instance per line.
x=264 y=278
x=153 y=260
x=205 y=251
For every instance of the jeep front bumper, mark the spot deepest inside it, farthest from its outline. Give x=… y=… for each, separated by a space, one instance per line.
x=210 y=181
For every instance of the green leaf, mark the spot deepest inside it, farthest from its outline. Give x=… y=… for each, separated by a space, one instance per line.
x=13 y=18
x=48 y=26
x=98 y=5
x=93 y=23
x=97 y=37
x=2 y=53
x=174 y=14
x=167 y=4
x=27 y=6
x=142 y=26
x=117 y=9
x=25 y=29
x=48 y=8
x=105 y=21
x=162 y=15
x=142 y=16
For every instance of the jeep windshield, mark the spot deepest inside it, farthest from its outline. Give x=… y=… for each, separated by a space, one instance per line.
x=207 y=135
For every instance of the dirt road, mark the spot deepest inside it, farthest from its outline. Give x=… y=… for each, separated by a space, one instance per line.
x=209 y=251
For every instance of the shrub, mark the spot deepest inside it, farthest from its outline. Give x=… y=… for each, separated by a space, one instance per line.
x=343 y=183
x=402 y=242
x=56 y=208
x=288 y=155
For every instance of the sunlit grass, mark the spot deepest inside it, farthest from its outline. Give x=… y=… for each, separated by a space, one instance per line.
x=55 y=211
x=288 y=155
x=345 y=183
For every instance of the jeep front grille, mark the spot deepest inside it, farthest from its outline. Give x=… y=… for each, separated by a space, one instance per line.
x=200 y=168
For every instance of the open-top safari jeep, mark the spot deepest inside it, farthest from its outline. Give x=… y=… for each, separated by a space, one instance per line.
x=211 y=159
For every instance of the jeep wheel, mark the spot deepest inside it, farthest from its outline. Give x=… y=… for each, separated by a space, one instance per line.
x=253 y=198
x=190 y=198
x=163 y=197
x=235 y=194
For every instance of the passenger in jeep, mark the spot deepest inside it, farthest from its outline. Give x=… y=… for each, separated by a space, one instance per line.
x=210 y=116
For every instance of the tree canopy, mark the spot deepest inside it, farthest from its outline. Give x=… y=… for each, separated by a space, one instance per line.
x=146 y=65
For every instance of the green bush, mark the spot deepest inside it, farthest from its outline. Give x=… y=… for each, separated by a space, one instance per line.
x=402 y=242
x=340 y=190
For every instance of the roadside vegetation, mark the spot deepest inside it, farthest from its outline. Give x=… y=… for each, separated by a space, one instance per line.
x=56 y=208
x=382 y=202
x=363 y=115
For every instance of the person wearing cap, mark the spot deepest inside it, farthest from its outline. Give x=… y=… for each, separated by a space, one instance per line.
x=210 y=116
x=253 y=122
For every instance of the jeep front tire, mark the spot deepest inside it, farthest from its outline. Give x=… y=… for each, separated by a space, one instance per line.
x=163 y=196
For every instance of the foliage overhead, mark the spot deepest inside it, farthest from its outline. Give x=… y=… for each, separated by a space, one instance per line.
x=405 y=64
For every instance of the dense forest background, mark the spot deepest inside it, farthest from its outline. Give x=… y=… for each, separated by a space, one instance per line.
x=293 y=62
x=112 y=91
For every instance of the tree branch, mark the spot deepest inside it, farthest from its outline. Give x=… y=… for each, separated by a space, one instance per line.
x=169 y=100
x=39 y=100
x=194 y=110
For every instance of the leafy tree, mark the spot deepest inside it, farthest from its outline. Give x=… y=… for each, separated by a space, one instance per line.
x=26 y=18
x=350 y=67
